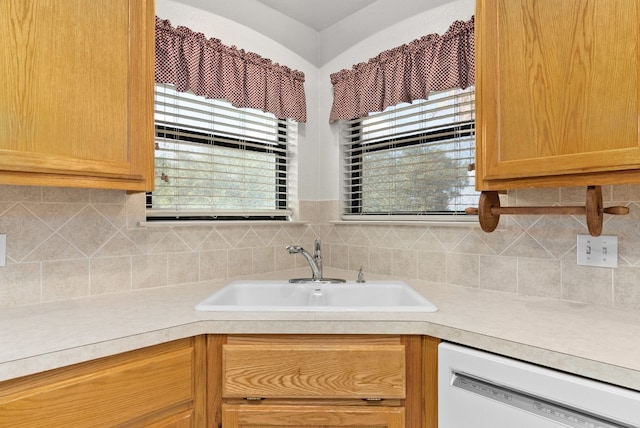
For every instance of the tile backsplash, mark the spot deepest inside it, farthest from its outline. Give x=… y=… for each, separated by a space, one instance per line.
x=527 y=255
x=65 y=243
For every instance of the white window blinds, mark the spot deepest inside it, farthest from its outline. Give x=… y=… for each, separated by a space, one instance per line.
x=412 y=159
x=215 y=161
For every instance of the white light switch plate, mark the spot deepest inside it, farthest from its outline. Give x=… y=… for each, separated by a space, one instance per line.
x=598 y=250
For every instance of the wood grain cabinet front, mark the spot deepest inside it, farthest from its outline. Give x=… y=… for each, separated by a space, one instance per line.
x=320 y=381
x=312 y=416
x=557 y=93
x=161 y=387
x=76 y=94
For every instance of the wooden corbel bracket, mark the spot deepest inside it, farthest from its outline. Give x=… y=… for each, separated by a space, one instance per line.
x=489 y=210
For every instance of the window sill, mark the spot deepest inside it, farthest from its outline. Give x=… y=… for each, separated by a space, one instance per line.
x=468 y=221
x=220 y=223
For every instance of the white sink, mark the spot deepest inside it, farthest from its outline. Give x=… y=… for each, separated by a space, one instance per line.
x=277 y=296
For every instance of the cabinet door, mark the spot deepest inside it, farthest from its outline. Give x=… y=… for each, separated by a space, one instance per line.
x=263 y=416
x=76 y=96
x=558 y=98
x=160 y=386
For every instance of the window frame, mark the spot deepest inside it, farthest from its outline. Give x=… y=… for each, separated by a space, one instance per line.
x=285 y=141
x=352 y=164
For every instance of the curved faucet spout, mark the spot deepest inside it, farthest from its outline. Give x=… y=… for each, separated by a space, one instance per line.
x=315 y=261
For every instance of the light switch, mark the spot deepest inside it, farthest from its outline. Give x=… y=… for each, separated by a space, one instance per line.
x=598 y=250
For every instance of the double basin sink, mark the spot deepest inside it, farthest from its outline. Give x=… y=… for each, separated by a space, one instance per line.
x=282 y=295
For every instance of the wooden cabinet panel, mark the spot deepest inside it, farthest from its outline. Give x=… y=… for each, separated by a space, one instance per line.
x=179 y=384
x=249 y=416
x=314 y=370
x=557 y=92
x=155 y=386
x=181 y=420
x=321 y=381
x=76 y=98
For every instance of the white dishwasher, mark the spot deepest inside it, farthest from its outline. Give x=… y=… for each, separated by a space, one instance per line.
x=477 y=389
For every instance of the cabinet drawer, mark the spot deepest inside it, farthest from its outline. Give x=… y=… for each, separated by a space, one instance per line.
x=239 y=416
x=308 y=370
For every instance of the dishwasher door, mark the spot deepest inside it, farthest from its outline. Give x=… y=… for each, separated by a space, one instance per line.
x=477 y=389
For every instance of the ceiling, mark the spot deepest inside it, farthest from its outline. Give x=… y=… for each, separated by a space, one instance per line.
x=317 y=14
x=317 y=30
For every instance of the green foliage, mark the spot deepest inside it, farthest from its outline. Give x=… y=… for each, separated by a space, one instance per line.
x=413 y=179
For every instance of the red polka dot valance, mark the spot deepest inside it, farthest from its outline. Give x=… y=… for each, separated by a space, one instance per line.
x=406 y=73
x=208 y=68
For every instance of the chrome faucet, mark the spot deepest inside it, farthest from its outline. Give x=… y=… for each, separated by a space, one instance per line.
x=315 y=261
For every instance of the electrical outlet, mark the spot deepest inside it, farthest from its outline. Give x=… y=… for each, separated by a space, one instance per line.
x=598 y=250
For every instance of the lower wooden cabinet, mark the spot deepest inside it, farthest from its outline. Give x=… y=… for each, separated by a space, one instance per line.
x=238 y=381
x=259 y=381
x=160 y=386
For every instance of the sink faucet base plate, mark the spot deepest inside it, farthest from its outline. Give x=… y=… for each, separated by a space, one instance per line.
x=316 y=281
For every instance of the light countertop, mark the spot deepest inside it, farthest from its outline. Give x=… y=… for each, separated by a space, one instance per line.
x=595 y=342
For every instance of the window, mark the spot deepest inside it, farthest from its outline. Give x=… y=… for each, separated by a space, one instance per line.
x=412 y=159
x=215 y=161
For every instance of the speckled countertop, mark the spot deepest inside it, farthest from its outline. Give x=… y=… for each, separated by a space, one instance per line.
x=599 y=343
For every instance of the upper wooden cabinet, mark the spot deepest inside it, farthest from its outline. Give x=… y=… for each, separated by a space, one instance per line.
x=558 y=99
x=76 y=94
